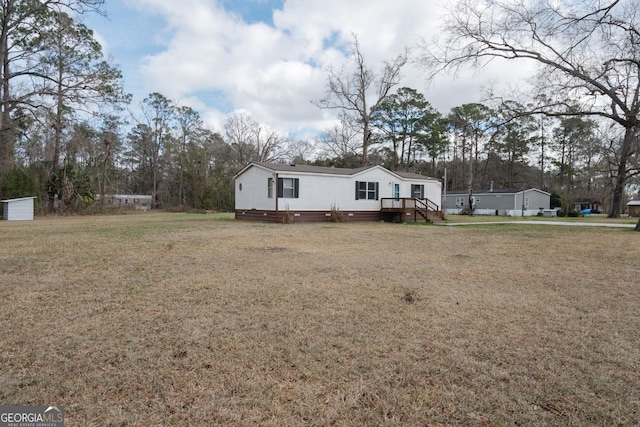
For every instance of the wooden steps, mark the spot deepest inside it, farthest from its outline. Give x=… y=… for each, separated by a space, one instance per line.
x=430 y=216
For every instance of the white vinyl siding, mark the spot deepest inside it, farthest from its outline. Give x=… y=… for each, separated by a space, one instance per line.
x=18 y=209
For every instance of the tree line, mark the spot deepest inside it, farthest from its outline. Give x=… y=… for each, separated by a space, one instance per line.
x=587 y=58
x=65 y=134
x=483 y=146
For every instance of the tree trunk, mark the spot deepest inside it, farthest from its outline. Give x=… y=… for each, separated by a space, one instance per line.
x=6 y=128
x=105 y=166
x=472 y=204
x=542 y=152
x=621 y=177
x=365 y=137
x=57 y=126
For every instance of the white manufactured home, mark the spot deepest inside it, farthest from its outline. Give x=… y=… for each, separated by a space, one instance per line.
x=269 y=192
x=141 y=202
x=528 y=202
x=18 y=209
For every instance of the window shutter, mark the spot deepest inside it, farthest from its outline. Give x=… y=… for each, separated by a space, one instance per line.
x=421 y=191
x=296 y=185
x=280 y=187
x=357 y=188
x=377 y=183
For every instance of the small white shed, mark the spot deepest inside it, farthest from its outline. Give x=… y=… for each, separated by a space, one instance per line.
x=18 y=209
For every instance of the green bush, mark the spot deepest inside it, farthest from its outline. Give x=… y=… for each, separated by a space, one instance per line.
x=18 y=182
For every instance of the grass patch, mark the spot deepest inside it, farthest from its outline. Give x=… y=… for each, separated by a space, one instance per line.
x=594 y=218
x=189 y=319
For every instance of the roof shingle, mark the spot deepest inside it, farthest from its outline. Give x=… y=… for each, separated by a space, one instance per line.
x=331 y=170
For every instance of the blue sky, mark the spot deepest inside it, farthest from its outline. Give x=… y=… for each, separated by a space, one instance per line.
x=269 y=58
x=253 y=11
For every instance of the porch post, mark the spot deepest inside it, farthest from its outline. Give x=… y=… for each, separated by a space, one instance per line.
x=443 y=201
x=275 y=184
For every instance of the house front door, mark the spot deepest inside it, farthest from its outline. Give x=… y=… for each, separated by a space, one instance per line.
x=397 y=203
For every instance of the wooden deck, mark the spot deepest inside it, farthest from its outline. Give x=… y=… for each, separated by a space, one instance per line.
x=404 y=209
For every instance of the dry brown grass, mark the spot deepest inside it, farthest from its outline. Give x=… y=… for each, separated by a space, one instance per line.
x=177 y=319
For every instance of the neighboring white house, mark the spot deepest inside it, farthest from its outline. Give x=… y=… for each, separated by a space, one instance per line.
x=590 y=205
x=266 y=191
x=127 y=201
x=18 y=209
x=500 y=202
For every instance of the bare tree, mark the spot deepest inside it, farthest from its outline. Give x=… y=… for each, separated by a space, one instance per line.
x=251 y=141
x=238 y=128
x=339 y=142
x=357 y=92
x=588 y=52
x=109 y=144
x=298 y=150
x=268 y=145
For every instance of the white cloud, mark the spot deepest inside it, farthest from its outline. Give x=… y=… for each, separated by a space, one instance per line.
x=275 y=71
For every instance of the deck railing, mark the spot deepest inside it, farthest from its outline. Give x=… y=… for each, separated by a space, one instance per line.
x=398 y=203
x=409 y=204
x=427 y=204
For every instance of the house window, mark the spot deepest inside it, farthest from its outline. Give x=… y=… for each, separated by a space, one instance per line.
x=270 y=188
x=526 y=203
x=288 y=188
x=366 y=190
x=417 y=191
x=459 y=202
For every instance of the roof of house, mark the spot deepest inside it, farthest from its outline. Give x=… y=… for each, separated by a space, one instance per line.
x=634 y=203
x=276 y=167
x=488 y=192
x=592 y=201
x=326 y=170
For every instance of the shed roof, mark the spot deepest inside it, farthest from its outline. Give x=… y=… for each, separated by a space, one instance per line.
x=327 y=170
x=18 y=199
x=634 y=203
